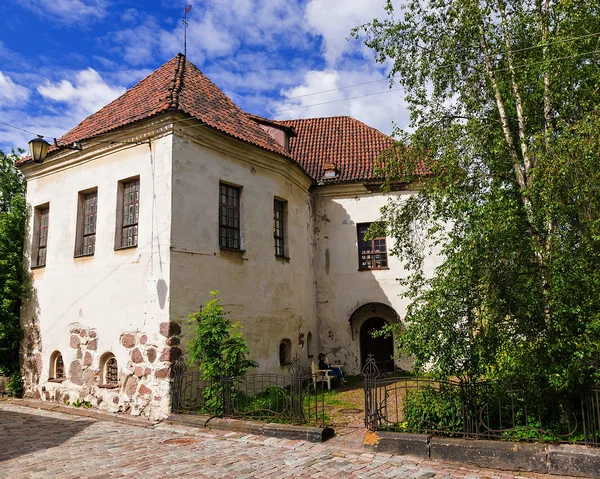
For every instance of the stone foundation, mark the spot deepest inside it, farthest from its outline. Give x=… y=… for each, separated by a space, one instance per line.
x=144 y=377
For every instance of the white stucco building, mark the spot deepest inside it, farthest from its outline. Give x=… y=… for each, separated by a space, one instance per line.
x=176 y=192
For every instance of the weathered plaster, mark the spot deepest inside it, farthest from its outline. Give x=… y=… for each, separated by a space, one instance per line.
x=107 y=293
x=341 y=287
x=272 y=298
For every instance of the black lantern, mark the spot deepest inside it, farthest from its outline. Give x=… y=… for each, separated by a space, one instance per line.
x=38 y=148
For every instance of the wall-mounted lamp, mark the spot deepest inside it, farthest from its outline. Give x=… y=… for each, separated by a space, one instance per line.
x=38 y=148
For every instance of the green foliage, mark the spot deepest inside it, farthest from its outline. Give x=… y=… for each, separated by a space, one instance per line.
x=13 y=213
x=504 y=111
x=15 y=384
x=79 y=403
x=428 y=408
x=219 y=349
x=274 y=399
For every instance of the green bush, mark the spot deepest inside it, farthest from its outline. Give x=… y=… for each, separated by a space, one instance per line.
x=219 y=349
x=15 y=384
x=274 y=399
x=433 y=409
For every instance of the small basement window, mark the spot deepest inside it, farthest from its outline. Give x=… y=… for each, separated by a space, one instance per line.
x=109 y=371
x=57 y=367
x=285 y=352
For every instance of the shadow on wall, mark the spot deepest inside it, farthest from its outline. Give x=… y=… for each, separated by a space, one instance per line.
x=352 y=303
x=22 y=434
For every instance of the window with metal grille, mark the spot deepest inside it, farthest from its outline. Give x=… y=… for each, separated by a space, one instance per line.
x=131 y=212
x=111 y=371
x=279 y=225
x=57 y=366
x=42 y=236
x=229 y=216
x=89 y=206
x=372 y=253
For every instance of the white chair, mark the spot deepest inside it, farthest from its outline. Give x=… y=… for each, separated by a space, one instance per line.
x=320 y=375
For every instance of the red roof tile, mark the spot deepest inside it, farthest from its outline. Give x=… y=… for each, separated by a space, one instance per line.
x=349 y=144
x=176 y=86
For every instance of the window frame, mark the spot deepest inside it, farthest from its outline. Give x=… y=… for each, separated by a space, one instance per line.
x=120 y=214
x=373 y=251
x=52 y=374
x=286 y=358
x=281 y=251
x=81 y=224
x=104 y=365
x=38 y=227
x=227 y=208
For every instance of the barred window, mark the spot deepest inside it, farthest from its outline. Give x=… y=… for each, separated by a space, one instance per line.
x=372 y=253
x=131 y=212
x=41 y=218
x=111 y=371
x=89 y=209
x=57 y=366
x=279 y=225
x=229 y=216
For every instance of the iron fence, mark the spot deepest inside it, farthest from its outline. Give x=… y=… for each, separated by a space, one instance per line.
x=295 y=398
x=485 y=410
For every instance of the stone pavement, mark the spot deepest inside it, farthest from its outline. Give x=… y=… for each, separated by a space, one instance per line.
x=43 y=444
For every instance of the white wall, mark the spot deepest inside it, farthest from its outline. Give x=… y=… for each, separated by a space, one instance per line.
x=111 y=292
x=342 y=287
x=273 y=299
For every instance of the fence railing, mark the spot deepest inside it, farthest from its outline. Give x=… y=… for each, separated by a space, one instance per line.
x=294 y=398
x=483 y=410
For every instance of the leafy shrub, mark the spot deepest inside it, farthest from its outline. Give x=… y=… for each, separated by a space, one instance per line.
x=275 y=399
x=15 y=384
x=433 y=409
x=219 y=349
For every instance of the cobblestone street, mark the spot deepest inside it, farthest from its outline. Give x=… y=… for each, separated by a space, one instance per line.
x=40 y=444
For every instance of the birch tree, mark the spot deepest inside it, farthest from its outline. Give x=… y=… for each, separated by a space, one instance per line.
x=503 y=97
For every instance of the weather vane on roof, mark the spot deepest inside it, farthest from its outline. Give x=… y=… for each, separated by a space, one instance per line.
x=185 y=25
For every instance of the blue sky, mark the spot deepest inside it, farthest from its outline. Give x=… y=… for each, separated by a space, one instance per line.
x=61 y=60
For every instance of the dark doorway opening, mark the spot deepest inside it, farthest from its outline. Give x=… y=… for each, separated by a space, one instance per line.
x=382 y=348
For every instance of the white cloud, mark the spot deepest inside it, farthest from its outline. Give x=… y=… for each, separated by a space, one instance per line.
x=372 y=102
x=88 y=94
x=10 y=93
x=61 y=106
x=217 y=29
x=334 y=20
x=68 y=11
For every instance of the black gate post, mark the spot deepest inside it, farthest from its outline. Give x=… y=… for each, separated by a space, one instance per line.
x=297 y=376
x=370 y=372
x=177 y=373
x=227 y=400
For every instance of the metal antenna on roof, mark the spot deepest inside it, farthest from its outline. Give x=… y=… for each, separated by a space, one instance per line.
x=185 y=25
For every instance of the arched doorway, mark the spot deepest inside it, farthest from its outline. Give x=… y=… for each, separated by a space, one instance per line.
x=382 y=347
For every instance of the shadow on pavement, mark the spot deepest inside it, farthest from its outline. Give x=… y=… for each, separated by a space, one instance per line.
x=22 y=434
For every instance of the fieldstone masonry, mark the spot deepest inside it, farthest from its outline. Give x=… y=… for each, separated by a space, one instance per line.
x=144 y=376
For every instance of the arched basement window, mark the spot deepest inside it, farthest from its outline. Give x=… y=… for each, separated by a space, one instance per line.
x=285 y=352
x=57 y=367
x=109 y=370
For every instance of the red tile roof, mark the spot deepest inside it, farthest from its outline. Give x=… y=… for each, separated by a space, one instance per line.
x=347 y=143
x=176 y=86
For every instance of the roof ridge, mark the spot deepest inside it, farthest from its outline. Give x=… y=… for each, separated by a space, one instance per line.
x=317 y=118
x=176 y=83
